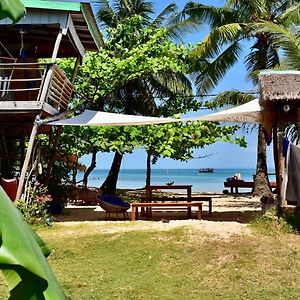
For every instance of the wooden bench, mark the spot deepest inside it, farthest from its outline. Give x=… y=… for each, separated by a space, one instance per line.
x=86 y=195
x=181 y=199
x=136 y=205
x=236 y=184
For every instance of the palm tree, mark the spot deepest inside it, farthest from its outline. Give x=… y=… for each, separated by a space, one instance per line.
x=139 y=96
x=287 y=35
x=231 y=25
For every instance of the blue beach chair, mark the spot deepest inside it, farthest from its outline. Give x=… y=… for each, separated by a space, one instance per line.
x=113 y=204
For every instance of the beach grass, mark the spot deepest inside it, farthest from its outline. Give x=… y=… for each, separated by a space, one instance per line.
x=102 y=262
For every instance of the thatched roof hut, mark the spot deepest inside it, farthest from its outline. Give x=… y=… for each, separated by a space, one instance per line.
x=280 y=98
x=280 y=94
x=280 y=85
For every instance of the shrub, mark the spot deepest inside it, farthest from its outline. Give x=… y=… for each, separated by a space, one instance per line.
x=35 y=205
x=61 y=194
x=274 y=222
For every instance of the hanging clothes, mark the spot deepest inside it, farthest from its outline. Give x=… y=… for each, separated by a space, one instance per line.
x=292 y=188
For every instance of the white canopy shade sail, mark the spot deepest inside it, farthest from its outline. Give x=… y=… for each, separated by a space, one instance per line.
x=250 y=112
x=98 y=118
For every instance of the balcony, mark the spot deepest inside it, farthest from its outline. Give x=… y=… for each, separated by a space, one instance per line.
x=33 y=88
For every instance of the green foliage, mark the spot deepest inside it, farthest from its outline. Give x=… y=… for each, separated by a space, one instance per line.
x=292 y=220
x=177 y=140
x=276 y=221
x=22 y=260
x=36 y=205
x=60 y=193
x=13 y=9
x=131 y=52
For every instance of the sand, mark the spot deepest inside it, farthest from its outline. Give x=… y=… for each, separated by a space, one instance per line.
x=231 y=216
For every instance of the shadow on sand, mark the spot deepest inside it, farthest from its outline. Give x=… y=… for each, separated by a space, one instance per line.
x=94 y=213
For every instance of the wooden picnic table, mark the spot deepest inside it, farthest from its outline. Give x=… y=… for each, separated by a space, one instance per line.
x=236 y=184
x=187 y=188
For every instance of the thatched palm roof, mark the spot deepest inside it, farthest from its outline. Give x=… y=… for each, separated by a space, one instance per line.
x=279 y=85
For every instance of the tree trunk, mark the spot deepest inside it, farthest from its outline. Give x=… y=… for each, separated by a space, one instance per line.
x=90 y=168
x=74 y=175
x=148 y=172
x=110 y=184
x=261 y=180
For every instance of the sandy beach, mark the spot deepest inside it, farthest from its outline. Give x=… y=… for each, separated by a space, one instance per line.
x=231 y=215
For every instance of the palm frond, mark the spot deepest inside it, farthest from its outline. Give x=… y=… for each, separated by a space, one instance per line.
x=164 y=15
x=288 y=39
x=214 y=16
x=233 y=97
x=211 y=45
x=250 y=9
x=262 y=58
x=280 y=7
x=291 y=15
x=212 y=72
x=129 y=8
x=172 y=84
x=105 y=14
x=176 y=31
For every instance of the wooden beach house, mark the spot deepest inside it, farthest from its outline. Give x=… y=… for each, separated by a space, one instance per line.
x=32 y=86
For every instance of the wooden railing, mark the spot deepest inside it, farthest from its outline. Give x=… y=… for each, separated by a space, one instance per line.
x=60 y=90
x=26 y=81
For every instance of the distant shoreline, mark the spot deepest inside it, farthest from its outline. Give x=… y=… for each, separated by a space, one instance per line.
x=201 y=182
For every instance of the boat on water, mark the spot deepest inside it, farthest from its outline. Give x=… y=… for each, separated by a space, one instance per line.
x=206 y=170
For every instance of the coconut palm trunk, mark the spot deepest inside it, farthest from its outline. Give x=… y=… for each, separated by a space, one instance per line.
x=238 y=21
x=261 y=180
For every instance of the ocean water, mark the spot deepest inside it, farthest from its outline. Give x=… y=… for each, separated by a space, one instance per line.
x=201 y=182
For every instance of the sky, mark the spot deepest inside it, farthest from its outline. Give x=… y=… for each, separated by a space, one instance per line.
x=219 y=155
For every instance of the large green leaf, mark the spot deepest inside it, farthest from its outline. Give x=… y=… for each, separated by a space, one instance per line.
x=22 y=259
x=13 y=9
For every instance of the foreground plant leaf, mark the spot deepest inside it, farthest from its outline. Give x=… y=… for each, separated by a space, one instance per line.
x=13 y=9
x=22 y=260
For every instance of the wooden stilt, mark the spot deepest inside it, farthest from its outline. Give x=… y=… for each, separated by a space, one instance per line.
x=27 y=158
x=275 y=154
x=281 y=165
x=34 y=131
